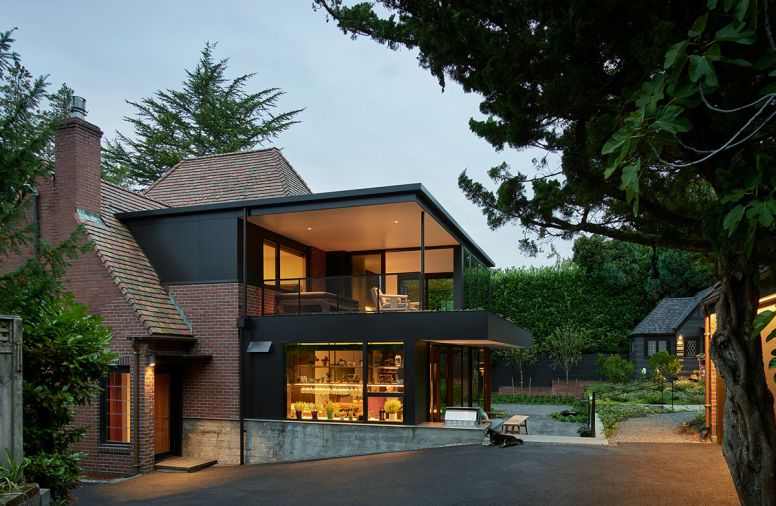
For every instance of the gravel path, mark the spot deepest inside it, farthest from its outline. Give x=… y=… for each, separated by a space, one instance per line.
x=659 y=428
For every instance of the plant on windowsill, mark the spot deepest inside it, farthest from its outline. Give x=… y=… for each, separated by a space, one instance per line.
x=392 y=407
x=331 y=408
x=315 y=409
x=299 y=407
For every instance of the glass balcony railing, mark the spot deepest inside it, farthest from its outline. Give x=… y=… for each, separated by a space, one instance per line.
x=369 y=293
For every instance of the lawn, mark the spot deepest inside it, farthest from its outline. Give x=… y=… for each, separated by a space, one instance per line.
x=648 y=392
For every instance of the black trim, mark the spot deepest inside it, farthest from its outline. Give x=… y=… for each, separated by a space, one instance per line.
x=103 y=439
x=331 y=200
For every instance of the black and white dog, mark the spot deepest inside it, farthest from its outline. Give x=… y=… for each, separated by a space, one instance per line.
x=493 y=438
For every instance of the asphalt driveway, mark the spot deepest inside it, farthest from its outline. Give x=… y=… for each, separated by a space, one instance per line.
x=629 y=473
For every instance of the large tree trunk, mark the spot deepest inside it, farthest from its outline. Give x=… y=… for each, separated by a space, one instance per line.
x=749 y=442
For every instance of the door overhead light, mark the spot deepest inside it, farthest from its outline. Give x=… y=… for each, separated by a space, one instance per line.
x=396 y=221
x=309 y=228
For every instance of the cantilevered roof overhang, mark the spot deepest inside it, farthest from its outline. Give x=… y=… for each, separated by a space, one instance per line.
x=318 y=207
x=471 y=328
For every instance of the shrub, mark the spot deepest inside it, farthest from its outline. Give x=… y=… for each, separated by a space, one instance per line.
x=664 y=366
x=695 y=424
x=611 y=414
x=614 y=368
x=531 y=399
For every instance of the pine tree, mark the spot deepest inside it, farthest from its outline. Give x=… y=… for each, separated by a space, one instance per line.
x=208 y=115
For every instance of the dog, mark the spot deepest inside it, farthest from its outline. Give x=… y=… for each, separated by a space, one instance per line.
x=493 y=438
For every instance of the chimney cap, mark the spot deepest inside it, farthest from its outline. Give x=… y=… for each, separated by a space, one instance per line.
x=78 y=107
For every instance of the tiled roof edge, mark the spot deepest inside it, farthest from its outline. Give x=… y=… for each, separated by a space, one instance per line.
x=179 y=308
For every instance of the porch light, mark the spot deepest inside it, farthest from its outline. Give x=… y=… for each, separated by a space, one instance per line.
x=151 y=360
x=396 y=221
x=309 y=228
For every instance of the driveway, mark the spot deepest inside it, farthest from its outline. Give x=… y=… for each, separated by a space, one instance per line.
x=539 y=420
x=630 y=473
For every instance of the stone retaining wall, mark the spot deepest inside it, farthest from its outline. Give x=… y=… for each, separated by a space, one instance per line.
x=286 y=441
x=212 y=439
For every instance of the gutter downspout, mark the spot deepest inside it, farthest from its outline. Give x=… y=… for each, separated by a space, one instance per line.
x=35 y=222
x=136 y=348
x=241 y=332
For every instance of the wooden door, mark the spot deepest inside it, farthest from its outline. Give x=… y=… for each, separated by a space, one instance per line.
x=162 y=413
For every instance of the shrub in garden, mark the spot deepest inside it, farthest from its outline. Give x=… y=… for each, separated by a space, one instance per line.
x=614 y=368
x=664 y=366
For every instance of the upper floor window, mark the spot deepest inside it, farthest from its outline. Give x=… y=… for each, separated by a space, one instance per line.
x=283 y=266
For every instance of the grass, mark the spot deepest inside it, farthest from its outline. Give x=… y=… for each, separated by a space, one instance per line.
x=648 y=392
x=531 y=399
x=611 y=414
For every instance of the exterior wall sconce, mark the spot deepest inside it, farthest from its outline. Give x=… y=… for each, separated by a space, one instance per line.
x=151 y=360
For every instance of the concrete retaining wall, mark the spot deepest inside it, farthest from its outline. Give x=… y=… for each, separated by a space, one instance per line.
x=212 y=439
x=285 y=441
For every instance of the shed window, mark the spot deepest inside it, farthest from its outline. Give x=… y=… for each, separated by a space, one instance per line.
x=655 y=345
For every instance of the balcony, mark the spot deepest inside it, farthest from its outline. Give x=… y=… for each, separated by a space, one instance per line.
x=369 y=293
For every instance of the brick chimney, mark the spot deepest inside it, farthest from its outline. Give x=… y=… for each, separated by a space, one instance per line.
x=76 y=181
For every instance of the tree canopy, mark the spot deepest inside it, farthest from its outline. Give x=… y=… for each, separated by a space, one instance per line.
x=210 y=114
x=661 y=112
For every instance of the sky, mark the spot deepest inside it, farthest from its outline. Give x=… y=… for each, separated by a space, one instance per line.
x=372 y=117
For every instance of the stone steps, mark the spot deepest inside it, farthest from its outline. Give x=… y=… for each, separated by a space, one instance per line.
x=183 y=465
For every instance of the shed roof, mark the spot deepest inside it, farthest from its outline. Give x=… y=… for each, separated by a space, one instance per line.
x=669 y=314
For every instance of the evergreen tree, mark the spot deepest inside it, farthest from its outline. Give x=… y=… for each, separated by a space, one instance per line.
x=663 y=114
x=208 y=115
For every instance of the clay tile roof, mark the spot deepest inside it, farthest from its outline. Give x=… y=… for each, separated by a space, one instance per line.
x=127 y=264
x=229 y=177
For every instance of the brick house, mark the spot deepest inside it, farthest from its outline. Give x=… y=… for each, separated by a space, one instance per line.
x=237 y=298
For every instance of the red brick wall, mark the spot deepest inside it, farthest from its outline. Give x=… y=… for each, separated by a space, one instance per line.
x=211 y=389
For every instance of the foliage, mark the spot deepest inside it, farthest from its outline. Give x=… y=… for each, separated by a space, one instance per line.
x=331 y=407
x=664 y=366
x=649 y=392
x=208 y=115
x=579 y=409
x=301 y=406
x=540 y=299
x=60 y=472
x=392 y=406
x=614 y=368
x=64 y=359
x=12 y=475
x=531 y=399
x=564 y=347
x=518 y=357
x=612 y=414
x=627 y=266
x=695 y=424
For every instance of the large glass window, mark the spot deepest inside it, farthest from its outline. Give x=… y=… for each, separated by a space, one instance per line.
x=116 y=410
x=385 y=382
x=283 y=266
x=324 y=381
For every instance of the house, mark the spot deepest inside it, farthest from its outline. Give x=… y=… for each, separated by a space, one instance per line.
x=675 y=325
x=715 y=385
x=242 y=303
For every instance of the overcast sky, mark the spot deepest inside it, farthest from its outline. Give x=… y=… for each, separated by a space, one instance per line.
x=372 y=117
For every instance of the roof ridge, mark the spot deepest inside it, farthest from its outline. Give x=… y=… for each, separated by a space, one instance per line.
x=296 y=173
x=135 y=193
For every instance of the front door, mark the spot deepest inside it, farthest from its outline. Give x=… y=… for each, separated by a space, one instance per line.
x=162 y=411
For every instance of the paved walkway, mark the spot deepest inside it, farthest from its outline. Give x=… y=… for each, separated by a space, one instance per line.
x=539 y=421
x=629 y=473
x=659 y=428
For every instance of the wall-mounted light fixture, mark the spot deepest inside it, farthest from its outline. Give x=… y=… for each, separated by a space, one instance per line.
x=151 y=360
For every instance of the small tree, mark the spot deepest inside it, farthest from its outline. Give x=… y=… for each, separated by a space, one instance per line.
x=664 y=366
x=564 y=346
x=614 y=368
x=209 y=115
x=518 y=357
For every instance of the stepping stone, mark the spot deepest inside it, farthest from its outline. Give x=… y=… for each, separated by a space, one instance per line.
x=183 y=465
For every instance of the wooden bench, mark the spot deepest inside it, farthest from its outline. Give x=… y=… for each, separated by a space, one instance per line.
x=516 y=421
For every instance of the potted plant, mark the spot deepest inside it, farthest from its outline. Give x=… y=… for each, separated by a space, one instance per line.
x=314 y=409
x=392 y=407
x=299 y=407
x=331 y=408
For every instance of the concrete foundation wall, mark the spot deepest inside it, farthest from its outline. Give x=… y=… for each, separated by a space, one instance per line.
x=212 y=439
x=286 y=441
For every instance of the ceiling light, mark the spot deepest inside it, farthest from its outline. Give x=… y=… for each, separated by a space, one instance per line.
x=396 y=221
x=309 y=228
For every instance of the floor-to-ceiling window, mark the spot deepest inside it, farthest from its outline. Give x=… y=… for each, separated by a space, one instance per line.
x=456 y=378
x=330 y=381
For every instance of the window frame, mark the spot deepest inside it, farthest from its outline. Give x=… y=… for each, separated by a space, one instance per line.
x=104 y=410
x=657 y=341
x=280 y=242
